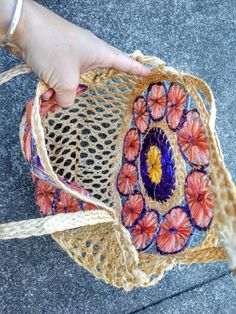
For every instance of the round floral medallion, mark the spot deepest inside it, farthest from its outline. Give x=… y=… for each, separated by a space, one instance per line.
x=163 y=183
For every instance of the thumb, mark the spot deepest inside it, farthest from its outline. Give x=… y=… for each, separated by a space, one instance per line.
x=65 y=93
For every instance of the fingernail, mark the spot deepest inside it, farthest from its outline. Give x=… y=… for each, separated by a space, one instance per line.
x=45 y=98
x=48 y=94
x=66 y=106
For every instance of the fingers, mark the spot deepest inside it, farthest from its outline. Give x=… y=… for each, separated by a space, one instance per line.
x=65 y=97
x=122 y=62
x=62 y=86
x=65 y=91
x=48 y=94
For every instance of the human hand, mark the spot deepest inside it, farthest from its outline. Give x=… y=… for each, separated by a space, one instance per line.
x=59 y=51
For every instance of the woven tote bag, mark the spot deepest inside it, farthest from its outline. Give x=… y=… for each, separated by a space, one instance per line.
x=130 y=181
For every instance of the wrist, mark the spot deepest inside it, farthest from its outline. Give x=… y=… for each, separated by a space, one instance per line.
x=6 y=15
x=9 y=29
x=16 y=40
x=20 y=29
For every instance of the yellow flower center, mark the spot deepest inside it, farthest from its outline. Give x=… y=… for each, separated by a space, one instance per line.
x=154 y=164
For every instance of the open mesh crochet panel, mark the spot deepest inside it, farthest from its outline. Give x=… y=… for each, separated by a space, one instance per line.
x=82 y=140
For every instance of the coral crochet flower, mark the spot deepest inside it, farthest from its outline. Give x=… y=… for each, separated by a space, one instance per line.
x=176 y=103
x=47 y=106
x=140 y=113
x=81 y=89
x=144 y=230
x=193 y=140
x=27 y=134
x=131 y=145
x=199 y=198
x=89 y=206
x=127 y=179
x=75 y=186
x=67 y=203
x=175 y=231
x=132 y=209
x=44 y=194
x=156 y=101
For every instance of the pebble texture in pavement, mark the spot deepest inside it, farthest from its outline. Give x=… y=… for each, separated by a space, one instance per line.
x=36 y=276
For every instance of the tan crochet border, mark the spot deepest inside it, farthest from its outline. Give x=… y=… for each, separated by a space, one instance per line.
x=134 y=275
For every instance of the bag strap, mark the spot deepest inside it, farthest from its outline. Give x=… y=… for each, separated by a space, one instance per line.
x=52 y=224
x=13 y=72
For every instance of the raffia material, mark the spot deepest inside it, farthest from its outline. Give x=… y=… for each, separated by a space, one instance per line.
x=97 y=240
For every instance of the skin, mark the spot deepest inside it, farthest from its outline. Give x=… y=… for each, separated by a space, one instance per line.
x=59 y=51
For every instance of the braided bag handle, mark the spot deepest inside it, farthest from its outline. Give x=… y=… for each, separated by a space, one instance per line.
x=224 y=189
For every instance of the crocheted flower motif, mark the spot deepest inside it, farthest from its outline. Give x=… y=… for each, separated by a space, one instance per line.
x=140 y=113
x=67 y=203
x=27 y=134
x=89 y=206
x=199 y=198
x=144 y=231
x=131 y=145
x=44 y=195
x=156 y=101
x=47 y=106
x=176 y=103
x=157 y=165
x=175 y=231
x=75 y=186
x=27 y=139
x=193 y=140
x=127 y=179
x=132 y=209
x=81 y=89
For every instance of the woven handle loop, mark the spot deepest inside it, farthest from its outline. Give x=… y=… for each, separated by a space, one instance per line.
x=151 y=60
x=52 y=224
x=13 y=72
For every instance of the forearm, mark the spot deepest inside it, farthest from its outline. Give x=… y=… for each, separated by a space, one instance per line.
x=6 y=13
x=57 y=50
x=13 y=16
x=33 y=19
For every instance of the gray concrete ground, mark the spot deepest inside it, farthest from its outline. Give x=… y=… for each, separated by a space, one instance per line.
x=35 y=274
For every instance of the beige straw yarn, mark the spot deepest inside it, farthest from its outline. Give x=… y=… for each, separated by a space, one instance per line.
x=97 y=240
